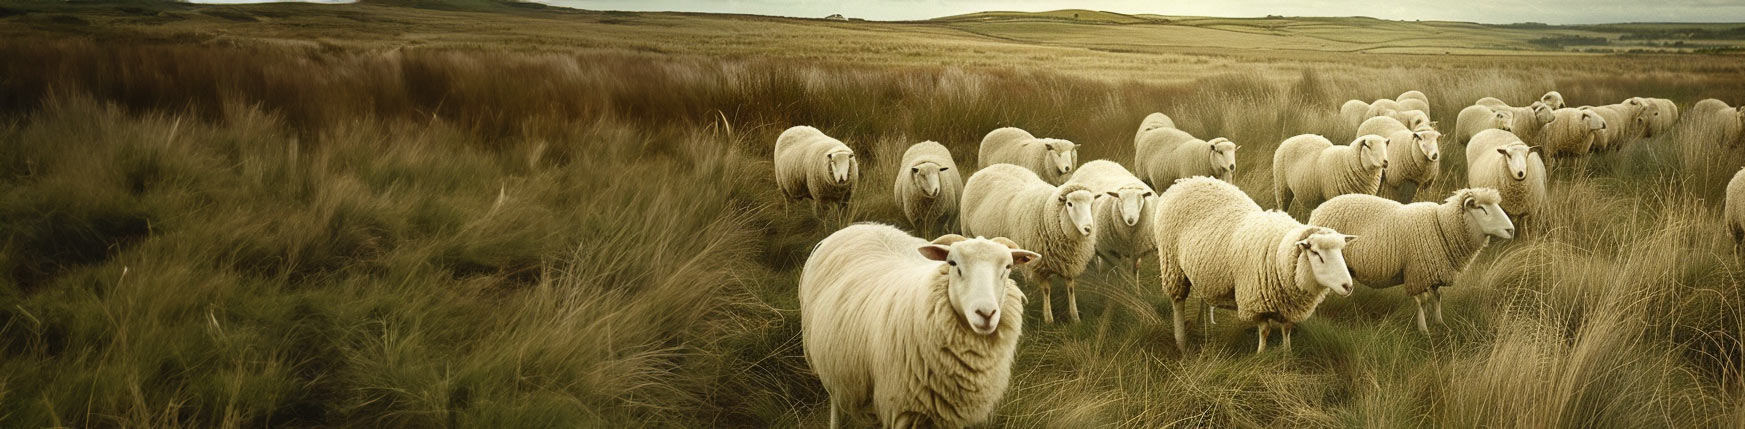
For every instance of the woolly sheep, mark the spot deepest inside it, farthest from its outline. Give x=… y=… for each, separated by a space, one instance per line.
x=1414 y=157
x=1499 y=160
x=1381 y=107
x=910 y=332
x=1313 y=168
x=1413 y=95
x=811 y=165
x=1153 y=121
x=1571 y=133
x=1415 y=104
x=1051 y=159
x=1123 y=222
x=1477 y=118
x=1666 y=116
x=1733 y=211
x=1552 y=99
x=1491 y=102
x=1163 y=155
x=1528 y=120
x=1727 y=124
x=1421 y=245
x=1413 y=119
x=1011 y=201
x=1613 y=137
x=1213 y=241
x=928 y=185
x=1708 y=105
x=1352 y=112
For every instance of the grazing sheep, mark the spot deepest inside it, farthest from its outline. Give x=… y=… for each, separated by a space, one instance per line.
x=1528 y=120
x=1381 y=107
x=1733 y=211
x=928 y=185
x=909 y=332
x=1727 y=124
x=1313 y=168
x=1476 y=118
x=1552 y=99
x=1613 y=137
x=1498 y=160
x=1052 y=159
x=1572 y=132
x=1163 y=155
x=1352 y=112
x=1708 y=105
x=1123 y=222
x=1414 y=157
x=1421 y=245
x=1010 y=201
x=1153 y=121
x=1213 y=241
x=1666 y=115
x=1414 y=95
x=811 y=165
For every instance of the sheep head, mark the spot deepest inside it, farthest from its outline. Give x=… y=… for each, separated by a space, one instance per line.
x=1515 y=158
x=1132 y=201
x=1372 y=151
x=926 y=176
x=1484 y=212
x=1223 y=158
x=976 y=274
x=1428 y=143
x=1075 y=209
x=1321 y=258
x=841 y=165
x=1504 y=120
x=1552 y=99
x=1062 y=155
x=1543 y=113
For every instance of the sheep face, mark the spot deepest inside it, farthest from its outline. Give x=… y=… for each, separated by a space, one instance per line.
x=1429 y=144
x=1062 y=154
x=841 y=165
x=1593 y=121
x=1515 y=156
x=1075 y=212
x=1372 y=150
x=976 y=273
x=1504 y=120
x=1322 y=258
x=1484 y=213
x=1416 y=119
x=1552 y=99
x=1223 y=158
x=1132 y=202
x=1542 y=113
x=926 y=177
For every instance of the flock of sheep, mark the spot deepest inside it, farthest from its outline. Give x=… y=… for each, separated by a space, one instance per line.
x=910 y=331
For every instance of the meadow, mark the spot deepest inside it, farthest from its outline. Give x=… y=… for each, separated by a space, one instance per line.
x=376 y=215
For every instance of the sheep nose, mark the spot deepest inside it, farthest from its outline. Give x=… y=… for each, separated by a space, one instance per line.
x=1434 y=156
x=988 y=314
x=1066 y=169
x=1509 y=231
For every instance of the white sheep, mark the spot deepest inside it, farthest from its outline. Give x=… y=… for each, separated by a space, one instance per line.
x=1310 y=167
x=1165 y=154
x=1666 y=115
x=1415 y=104
x=1708 y=105
x=1613 y=136
x=811 y=165
x=1572 y=133
x=1499 y=160
x=1552 y=99
x=910 y=332
x=1011 y=201
x=1726 y=123
x=1352 y=112
x=1153 y=121
x=1052 y=159
x=1123 y=222
x=1214 y=242
x=1477 y=118
x=1381 y=107
x=1414 y=157
x=1414 y=95
x=928 y=185
x=1528 y=120
x=1733 y=211
x=1421 y=245
x=1413 y=119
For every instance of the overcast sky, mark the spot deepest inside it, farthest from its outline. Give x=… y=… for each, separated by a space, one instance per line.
x=1489 y=11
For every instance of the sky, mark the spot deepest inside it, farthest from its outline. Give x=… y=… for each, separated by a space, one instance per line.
x=1486 y=11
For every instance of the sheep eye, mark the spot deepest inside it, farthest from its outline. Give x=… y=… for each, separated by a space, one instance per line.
x=1008 y=266
x=952 y=263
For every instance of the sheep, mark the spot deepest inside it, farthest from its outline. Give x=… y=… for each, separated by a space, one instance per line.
x=1011 y=201
x=1153 y=121
x=910 y=332
x=1051 y=159
x=1733 y=211
x=1414 y=157
x=1413 y=119
x=811 y=165
x=1163 y=155
x=1708 y=105
x=1552 y=99
x=1414 y=95
x=1352 y=112
x=928 y=185
x=1381 y=107
x=1398 y=246
x=1313 y=168
x=1613 y=136
x=1415 y=104
x=1491 y=102
x=1726 y=124
x=1213 y=241
x=1571 y=133
x=1528 y=120
x=1666 y=115
x=1123 y=222
x=1477 y=118
x=1499 y=160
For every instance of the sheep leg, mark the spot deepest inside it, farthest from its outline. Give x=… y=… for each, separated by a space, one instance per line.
x=1265 y=328
x=835 y=414
x=1436 y=308
x=1047 y=300
x=1422 y=327
x=1181 y=324
x=1072 y=300
x=1287 y=328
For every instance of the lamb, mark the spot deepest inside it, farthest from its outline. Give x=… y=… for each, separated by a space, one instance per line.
x=1163 y=155
x=1733 y=211
x=1351 y=114
x=1552 y=99
x=1123 y=222
x=1476 y=118
x=1153 y=121
x=1498 y=160
x=1414 y=95
x=1215 y=242
x=1666 y=115
x=1398 y=246
x=909 y=332
x=928 y=185
x=811 y=165
x=1011 y=201
x=1052 y=159
x=1571 y=133
x=1311 y=167
x=1414 y=158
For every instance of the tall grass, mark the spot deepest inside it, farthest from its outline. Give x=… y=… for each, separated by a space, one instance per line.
x=267 y=236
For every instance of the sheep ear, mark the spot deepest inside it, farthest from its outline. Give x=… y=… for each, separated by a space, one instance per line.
x=1504 y=151
x=1469 y=202
x=1148 y=194
x=1113 y=194
x=1304 y=244
x=935 y=252
x=913 y=170
x=1350 y=238
x=944 y=168
x=1021 y=256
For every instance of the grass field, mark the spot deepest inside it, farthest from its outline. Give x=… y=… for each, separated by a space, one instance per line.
x=483 y=215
